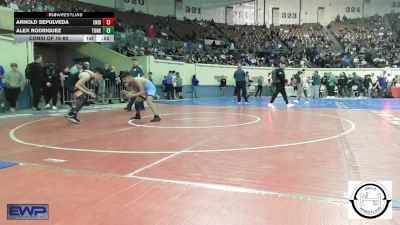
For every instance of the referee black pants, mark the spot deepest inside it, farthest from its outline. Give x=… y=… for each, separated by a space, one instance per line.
x=241 y=90
x=280 y=89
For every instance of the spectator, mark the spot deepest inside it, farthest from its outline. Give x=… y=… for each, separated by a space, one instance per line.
x=136 y=71
x=350 y=85
x=195 y=86
x=77 y=68
x=111 y=86
x=316 y=81
x=65 y=96
x=367 y=85
x=35 y=75
x=260 y=84
x=179 y=85
x=331 y=85
x=324 y=85
x=342 y=85
x=222 y=85
x=377 y=88
x=1 y=89
x=170 y=86
x=164 y=85
x=14 y=5
x=14 y=82
x=240 y=79
x=51 y=86
x=150 y=32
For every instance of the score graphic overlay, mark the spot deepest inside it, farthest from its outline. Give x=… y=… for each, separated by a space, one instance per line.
x=64 y=27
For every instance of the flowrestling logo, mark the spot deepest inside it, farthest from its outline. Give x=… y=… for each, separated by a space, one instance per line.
x=371 y=200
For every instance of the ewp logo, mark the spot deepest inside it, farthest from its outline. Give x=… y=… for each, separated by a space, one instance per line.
x=28 y=212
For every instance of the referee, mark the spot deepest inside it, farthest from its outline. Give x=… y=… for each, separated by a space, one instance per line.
x=240 y=78
x=136 y=71
x=278 y=80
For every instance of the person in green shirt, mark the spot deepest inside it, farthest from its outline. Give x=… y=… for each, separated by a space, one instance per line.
x=14 y=82
x=316 y=84
x=331 y=85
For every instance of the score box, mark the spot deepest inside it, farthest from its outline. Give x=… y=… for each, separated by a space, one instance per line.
x=108 y=30
x=108 y=21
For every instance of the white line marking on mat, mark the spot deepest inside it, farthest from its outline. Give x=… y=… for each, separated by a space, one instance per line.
x=237 y=189
x=16 y=139
x=257 y=119
x=168 y=157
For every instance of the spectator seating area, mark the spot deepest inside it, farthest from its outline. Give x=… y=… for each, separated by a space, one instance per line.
x=366 y=42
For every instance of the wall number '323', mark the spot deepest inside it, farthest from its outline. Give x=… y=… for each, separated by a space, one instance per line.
x=289 y=15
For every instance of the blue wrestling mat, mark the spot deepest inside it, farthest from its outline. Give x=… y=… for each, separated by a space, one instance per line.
x=5 y=164
x=331 y=103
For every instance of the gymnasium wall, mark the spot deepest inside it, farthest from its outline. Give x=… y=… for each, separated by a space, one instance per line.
x=208 y=73
x=332 y=8
x=153 y=7
x=289 y=11
x=6 y=20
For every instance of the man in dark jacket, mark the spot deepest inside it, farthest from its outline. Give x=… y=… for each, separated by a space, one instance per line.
x=278 y=80
x=240 y=78
x=367 y=83
x=51 y=85
x=35 y=75
x=342 y=85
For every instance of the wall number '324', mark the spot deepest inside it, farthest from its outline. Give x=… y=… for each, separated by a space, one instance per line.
x=353 y=9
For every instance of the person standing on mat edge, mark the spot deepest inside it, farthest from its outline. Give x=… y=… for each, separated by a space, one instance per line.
x=301 y=83
x=316 y=84
x=222 y=85
x=260 y=83
x=170 y=85
x=240 y=79
x=76 y=85
x=195 y=86
x=34 y=73
x=142 y=89
x=136 y=71
x=14 y=82
x=278 y=80
x=179 y=84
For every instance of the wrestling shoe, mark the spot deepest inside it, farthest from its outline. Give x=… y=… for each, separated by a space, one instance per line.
x=136 y=117
x=270 y=105
x=156 y=119
x=74 y=120
x=290 y=105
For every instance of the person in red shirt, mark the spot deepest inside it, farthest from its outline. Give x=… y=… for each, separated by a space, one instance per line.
x=150 y=32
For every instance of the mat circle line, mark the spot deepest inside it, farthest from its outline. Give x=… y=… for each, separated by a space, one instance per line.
x=16 y=139
x=257 y=119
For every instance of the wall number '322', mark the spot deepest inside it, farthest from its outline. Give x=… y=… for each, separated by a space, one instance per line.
x=136 y=2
